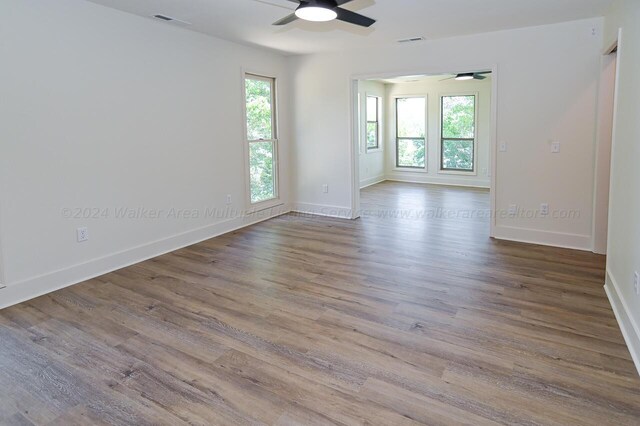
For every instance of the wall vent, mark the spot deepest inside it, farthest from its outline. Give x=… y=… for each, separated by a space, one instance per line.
x=411 y=40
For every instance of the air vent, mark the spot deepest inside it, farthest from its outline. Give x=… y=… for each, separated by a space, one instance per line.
x=411 y=40
x=170 y=19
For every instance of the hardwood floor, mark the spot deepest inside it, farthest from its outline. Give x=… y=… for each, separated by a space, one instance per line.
x=392 y=319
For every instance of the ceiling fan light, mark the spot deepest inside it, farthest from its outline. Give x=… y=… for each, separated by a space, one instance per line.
x=315 y=13
x=465 y=76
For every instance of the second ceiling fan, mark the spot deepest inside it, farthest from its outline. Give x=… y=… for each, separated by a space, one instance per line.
x=323 y=11
x=469 y=76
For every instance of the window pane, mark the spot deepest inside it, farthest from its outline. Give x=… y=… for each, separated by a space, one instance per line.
x=372 y=108
x=411 y=153
x=372 y=135
x=259 y=109
x=411 y=117
x=262 y=172
x=457 y=154
x=458 y=116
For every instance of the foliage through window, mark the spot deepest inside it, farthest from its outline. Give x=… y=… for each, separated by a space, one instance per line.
x=373 y=122
x=411 y=132
x=458 y=126
x=261 y=136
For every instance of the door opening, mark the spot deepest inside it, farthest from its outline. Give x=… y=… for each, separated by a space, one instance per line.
x=605 y=136
x=432 y=129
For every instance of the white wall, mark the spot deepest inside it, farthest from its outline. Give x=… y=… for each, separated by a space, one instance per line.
x=103 y=109
x=372 y=162
x=433 y=89
x=547 y=90
x=624 y=212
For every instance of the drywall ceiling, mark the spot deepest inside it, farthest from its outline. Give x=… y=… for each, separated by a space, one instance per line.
x=249 y=21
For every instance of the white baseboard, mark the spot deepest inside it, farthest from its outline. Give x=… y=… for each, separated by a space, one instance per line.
x=449 y=180
x=322 y=210
x=544 y=238
x=371 y=181
x=627 y=324
x=21 y=291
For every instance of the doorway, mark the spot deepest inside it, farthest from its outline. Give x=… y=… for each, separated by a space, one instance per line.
x=431 y=129
x=605 y=138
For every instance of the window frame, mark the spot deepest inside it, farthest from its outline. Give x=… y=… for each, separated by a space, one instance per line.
x=275 y=201
x=398 y=167
x=465 y=172
x=378 y=123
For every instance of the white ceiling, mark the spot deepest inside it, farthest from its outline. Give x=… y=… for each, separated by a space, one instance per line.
x=249 y=21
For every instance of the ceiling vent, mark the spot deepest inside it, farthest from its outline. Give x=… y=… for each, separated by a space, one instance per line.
x=170 y=19
x=411 y=40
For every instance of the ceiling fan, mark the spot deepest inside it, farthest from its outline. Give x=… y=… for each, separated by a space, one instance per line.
x=323 y=11
x=469 y=76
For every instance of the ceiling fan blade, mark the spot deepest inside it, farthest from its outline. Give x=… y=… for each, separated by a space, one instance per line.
x=477 y=76
x=353 y=18
x=338 y=2
x=286 y=20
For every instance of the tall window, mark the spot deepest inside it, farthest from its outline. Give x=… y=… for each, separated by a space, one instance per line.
x=373 y=122
x=458 y=127
x=411 y=132
x=261 y=137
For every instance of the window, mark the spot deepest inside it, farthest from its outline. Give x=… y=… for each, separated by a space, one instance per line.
x=261 y=138
x=458 y=133
x=373 y=122
x=411 y=132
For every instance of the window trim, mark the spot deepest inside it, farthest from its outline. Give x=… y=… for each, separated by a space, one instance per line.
x=250 y=206
x=378 y=99
x=441 y=170
x=396 y=166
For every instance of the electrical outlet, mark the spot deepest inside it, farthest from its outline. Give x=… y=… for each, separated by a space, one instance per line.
x=228 y=199
x=555 y=147
x=82 y=234
x=544 y=209
x=513 y=209
x=503 y=147
x=636 y=283
x=325 y=188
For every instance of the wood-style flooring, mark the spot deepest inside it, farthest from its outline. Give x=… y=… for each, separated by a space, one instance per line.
x=406 y=316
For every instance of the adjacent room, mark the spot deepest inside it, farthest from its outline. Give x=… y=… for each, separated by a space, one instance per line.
x=424 y=145
x=313 y=212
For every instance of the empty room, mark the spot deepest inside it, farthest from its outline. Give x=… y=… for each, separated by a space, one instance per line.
x=315 y=212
